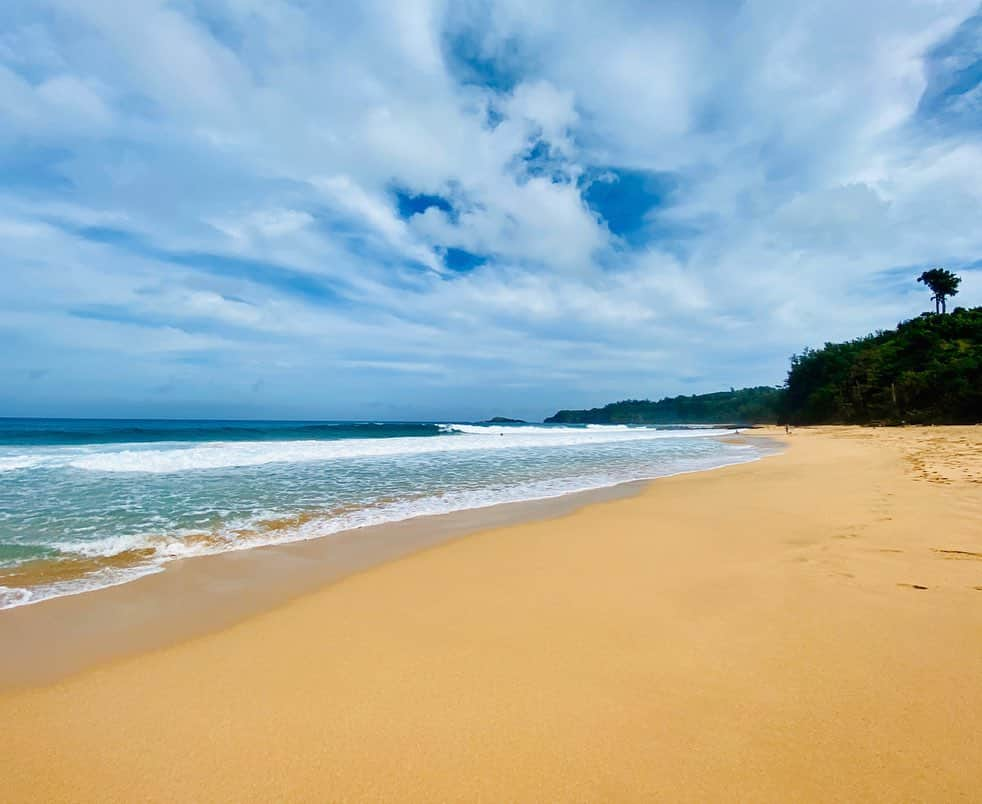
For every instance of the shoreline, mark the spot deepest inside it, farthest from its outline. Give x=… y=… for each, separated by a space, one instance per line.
x=73 y=573
x=800 y=628
x=194 y=596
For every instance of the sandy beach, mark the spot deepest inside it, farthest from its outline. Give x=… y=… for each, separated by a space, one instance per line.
x=805 y=627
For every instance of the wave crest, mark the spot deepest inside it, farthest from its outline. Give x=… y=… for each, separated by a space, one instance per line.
x=226 y=455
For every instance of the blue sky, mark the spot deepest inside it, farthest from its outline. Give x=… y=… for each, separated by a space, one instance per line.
x=424 y=209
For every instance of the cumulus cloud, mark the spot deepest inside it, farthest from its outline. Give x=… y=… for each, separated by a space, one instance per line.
x=426 y=209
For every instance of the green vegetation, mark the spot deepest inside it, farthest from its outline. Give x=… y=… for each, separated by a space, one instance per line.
x=926 y=371
x=745 y=406
x=942 y=283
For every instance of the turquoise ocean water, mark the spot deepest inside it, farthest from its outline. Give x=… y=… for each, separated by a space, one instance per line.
x=91 y=503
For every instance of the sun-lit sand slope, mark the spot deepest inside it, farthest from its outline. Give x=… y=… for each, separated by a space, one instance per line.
x=806 y=627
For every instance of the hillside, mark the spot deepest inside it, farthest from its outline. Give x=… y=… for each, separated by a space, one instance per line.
x=926 y=371
x=744 y=406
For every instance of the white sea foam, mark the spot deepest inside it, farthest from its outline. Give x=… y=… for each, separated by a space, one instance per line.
x=180 y=456
x=11 y=598
x=102 y=579
x=218 y=455
x=11 y=463
x=177 y=514
x=117 y=545
x=250 y=533
x=561 y=431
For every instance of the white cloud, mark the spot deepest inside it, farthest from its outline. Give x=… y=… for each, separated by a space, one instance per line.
x=268 y=223
x=205 y=190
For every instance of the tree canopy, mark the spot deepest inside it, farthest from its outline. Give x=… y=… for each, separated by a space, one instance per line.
x=743 y=406
x=928 y=370
x=942 y=283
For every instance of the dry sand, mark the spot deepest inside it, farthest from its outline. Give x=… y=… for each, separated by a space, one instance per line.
x=807 y=627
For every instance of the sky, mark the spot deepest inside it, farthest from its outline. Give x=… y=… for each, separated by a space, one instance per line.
x=454 y=210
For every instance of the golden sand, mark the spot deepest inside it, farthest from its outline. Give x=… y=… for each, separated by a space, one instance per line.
x=807 y=627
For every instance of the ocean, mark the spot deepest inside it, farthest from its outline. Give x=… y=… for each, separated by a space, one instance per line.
x=92 y=503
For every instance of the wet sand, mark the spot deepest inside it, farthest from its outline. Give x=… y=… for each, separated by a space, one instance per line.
x=193 y=597
x=806 y=627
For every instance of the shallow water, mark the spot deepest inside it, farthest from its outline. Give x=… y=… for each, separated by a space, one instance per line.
x=85 y=504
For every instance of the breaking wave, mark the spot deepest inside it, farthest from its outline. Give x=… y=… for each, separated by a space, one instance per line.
x=180 y=457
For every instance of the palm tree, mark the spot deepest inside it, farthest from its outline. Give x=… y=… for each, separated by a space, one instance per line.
x=942 y=283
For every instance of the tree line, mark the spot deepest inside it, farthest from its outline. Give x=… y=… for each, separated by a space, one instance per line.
x=926 y=371
x=743 y=406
